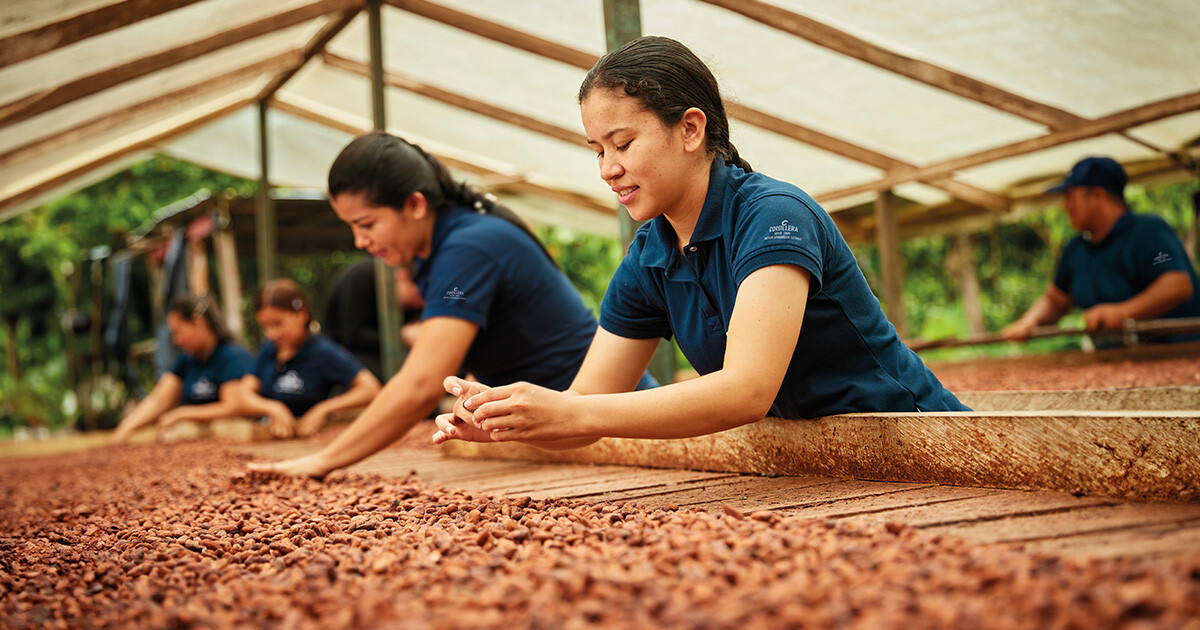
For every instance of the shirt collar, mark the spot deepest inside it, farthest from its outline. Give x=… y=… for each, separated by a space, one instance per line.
x=661 y=236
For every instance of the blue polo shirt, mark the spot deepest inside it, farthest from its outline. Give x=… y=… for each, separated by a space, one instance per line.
x=848 y=357
x=308 y=377
x=533 y=326
x=202 y=380
x=1136 y=251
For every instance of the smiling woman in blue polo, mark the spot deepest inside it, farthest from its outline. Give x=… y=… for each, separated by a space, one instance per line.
x=747 y=273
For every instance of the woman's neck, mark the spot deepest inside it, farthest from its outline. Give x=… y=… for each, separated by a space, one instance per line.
x=686 y=215
x=207 y=350
x=285 y=353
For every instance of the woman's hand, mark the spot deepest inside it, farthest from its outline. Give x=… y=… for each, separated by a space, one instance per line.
x=308 y=466
x=311 y=421
x=282 y=424
x=451 y=427
x=463 y=389
x=523 y=411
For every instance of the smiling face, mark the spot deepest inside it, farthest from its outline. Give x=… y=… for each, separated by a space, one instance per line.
x=653 y=168
x=286 y=329
x=394 y=235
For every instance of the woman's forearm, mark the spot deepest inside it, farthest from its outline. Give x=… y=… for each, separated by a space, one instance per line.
x=399 y=405
x=363 y=389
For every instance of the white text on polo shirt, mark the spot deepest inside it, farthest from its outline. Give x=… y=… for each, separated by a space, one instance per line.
x=454 y=294
x=1162 y=257
x=783 y=230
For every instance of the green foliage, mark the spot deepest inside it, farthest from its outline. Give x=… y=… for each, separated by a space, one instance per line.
x=45 y=260
x=589 y=261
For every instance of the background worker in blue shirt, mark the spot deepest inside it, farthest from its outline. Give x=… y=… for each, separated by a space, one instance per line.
x=748 y=274
x=296 y=369
x=203 y=383
x=496 y=305
x=1121 y=266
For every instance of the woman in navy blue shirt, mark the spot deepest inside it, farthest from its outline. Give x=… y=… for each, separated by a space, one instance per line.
x=749 y=274
x=297 y=369
x=203 y=383
x=496 y=305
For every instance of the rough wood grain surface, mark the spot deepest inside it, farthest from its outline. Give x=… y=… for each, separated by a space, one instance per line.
x=1132 y=455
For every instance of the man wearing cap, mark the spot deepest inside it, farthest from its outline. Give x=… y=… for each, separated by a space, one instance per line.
x=1121 y=266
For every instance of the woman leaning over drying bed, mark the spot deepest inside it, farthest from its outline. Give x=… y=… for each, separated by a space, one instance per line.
x=203 y=383
x=297 y=369
x=748 y=274
x=496 y=305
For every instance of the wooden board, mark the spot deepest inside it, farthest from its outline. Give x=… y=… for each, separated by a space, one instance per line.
x=1131 y=455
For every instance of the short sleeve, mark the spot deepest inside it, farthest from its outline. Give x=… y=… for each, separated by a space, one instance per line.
x=1063 y=274
x=1159 y=251
x=236 y=364
x=779 y=229
x=463 y=284
x=630 y=310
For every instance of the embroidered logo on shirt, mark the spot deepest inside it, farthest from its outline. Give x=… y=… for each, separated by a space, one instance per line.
x=454 y=294
x=204 y=388
x=1162 y=257
x=782 y=231
x=290 y=383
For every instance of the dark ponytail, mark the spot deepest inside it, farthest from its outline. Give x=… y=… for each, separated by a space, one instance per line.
x=389 y=169
x=668 y=79
x=188 y=306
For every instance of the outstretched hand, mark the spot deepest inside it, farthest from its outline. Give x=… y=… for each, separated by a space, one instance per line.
x=307 y=466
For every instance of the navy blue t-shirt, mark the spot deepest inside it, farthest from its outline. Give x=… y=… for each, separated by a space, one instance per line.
x=307 y=378
x=848 y=357
x=202 y=380
x=1136 y=251
x=533 y=326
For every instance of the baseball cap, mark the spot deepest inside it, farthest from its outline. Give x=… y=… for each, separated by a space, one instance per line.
x=1095 y=172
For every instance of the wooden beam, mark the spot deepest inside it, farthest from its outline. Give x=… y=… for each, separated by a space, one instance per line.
x=146 y=143
x=50 y=37
x=584 y=60
x=315 y=45
x=837 y=146
x=112 y=120
x=924 y=72
x=46 y=100
x=1090 y=129
x=498 y=33
x=580 y=200
x=454 y=99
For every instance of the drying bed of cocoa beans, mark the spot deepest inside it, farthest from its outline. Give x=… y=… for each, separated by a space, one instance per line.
x=979 y=376
x=180 y=536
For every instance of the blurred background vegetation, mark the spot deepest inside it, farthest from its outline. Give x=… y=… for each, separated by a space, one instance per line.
x=47 y=258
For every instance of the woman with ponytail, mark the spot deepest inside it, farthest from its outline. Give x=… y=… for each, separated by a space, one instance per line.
x=297 y=368
x=496 y=305
x=748 y=274
x=203 y=383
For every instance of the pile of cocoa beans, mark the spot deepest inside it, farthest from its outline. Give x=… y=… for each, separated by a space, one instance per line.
x=180 y=536
x=982 y=376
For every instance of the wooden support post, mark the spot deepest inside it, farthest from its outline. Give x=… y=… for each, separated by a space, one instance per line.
x=887 y=238
x=623 y=24
x=265 y=238
x=391 y=319
x=197 y=267
x=960 y=264
x=228 y=277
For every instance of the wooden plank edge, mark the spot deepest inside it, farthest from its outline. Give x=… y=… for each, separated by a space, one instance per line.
x=1152 y=456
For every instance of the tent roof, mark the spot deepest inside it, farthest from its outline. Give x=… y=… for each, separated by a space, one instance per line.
x=964 y=110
